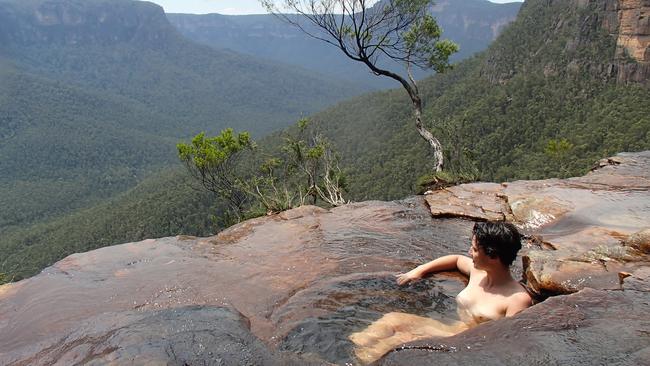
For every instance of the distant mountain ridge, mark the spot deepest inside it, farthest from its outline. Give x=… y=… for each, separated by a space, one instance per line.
x=558 y=73
x=471 y=23
x=95 y=93
x=77 y=22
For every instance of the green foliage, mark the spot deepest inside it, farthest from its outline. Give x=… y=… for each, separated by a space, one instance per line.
x=305 y=169
x=214 y=162
x=213 y=152
x=65 y=147
x=164 y=204
x=83 y=121
x=423 y=40
x=272 y=188
x=4 y=278
x=559 y=151
x=443 y=179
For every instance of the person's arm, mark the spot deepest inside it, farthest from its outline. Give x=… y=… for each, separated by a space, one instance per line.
x=447 y=263
x=517 y=303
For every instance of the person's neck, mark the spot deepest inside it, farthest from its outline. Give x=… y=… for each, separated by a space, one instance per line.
x=498 y=275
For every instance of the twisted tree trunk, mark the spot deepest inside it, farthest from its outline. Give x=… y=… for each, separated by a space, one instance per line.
x=399 y=30
x=427 y=135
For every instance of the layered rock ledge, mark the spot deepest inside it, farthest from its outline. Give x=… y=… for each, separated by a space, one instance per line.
x=629 y=21
x=587 y=236
x=591 y=231
x=290 y=288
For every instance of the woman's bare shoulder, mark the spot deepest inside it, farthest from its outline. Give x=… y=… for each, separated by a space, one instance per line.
x=518 y=301
x=465 y=265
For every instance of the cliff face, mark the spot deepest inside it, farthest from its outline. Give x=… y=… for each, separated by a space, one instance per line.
x=474 y=20
x=292 y=287
x=606 y=39
x=83 y=22
x=629 y=21
x=634 y=29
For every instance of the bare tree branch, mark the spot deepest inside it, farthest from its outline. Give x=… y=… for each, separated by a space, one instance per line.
x=396 y=30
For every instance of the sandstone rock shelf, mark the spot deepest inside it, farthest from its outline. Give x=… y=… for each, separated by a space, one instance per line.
x=596 y=225
x=290 y=288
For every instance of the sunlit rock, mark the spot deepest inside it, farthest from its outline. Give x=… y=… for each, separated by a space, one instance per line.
x=593 y=223
x=482 y=201
x=293 y=287
x=546 y=274
x=184 y=336
x=640 y=241
x=300 y=281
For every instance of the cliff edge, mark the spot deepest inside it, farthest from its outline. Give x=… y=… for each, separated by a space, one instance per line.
x=290 y=288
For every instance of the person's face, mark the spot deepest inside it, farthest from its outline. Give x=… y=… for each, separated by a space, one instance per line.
x=477 y=254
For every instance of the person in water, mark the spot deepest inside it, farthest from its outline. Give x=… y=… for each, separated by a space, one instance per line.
x=491 y=292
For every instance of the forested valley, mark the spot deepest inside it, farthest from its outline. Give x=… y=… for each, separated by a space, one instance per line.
x=549 y=97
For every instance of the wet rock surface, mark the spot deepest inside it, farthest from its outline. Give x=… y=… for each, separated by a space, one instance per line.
x=188 y=335
x=593 y=227
x=291 y=288
x=591 y=327
x=293 y=277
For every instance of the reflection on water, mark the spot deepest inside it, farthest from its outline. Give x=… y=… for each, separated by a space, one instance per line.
x=395 y=329
x=304 y=280
x=355 y=304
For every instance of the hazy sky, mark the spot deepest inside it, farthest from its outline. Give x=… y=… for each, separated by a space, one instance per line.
x=225 y=6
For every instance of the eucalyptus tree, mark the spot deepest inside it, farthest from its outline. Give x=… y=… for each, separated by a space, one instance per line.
x=377 y=34
x=307 y=167
x=213 y=161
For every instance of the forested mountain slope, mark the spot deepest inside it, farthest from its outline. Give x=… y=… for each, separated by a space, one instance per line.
x=554 y=93
x=572 y=72
x=473 y=24
x=64 y=147
x=93 y=94
x=161 y=205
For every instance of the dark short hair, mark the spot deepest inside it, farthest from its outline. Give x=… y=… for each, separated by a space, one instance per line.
x=498 y=240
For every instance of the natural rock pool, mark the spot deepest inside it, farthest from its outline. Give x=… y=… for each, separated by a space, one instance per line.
x=291 y=288
x=302 y=280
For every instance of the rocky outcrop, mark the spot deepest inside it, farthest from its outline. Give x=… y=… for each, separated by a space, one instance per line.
x=291 y=288
x=302 y=281
x=629 y=22
x=192 y=335
x=83 y=23
x=590 y=231
x=591 y=327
